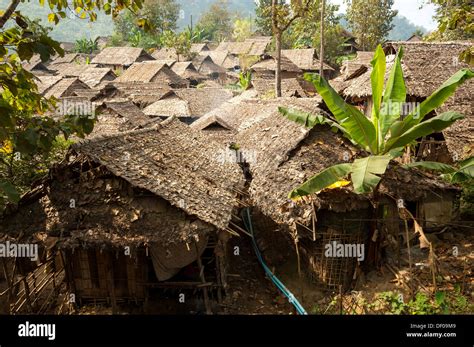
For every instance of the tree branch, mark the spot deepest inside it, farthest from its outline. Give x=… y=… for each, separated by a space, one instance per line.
x=8 y=12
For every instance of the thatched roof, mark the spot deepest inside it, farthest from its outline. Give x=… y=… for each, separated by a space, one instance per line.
x=190 y=102
x=57 y=86
x=152 y=71
x=203 y=100
x=199 y=47
x=35 y=65
x=141 y=93
x=289 y=87
x=68 y=58
x=269 y=64
x=361 y=60
x=121 y=56
x=304 y=59
x=174 y=162
x=46 y=82
x=71 y=69
x=118 y=116
x=169 y=107
x=94 y=76
x=242 y=112
x=235 y=48
x=163 y=184
x=206 y=66
x=187 y=70
x=223 y=58
x=259 y=45
x=286 y=154
x=165 y=54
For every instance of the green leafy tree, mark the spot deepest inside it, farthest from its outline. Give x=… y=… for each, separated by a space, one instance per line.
x=87 y=46
x=181 y=43
x=242 y=29
x=306 y=31
x=385 y=135
x=27 y=127
x=216 y=23
x=144 y=28
x=263 y=18
x=455 y=20
x=370 y=21
x=283 y=15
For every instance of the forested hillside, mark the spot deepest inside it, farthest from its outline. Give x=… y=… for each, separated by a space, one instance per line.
x=72 y=29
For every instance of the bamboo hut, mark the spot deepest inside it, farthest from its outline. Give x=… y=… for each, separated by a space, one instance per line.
x=120 y=58
x=306 y=60
x=286 y=154
x=189 y=72
x=118 y=117
x=267 y=66
x=188 y=104
x=152 y=72
x=207 y=67
x=135 y=212
x=58 y=87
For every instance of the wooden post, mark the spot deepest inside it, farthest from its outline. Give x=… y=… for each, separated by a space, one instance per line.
x=110 y=282
x=27 y=294
x=203 y=279
x=9 y=282
x=408 y=244
x=321 y=48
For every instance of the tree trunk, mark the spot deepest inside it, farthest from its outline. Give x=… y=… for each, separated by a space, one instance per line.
x=8 y=12
x=278 y=65
x=321 y=50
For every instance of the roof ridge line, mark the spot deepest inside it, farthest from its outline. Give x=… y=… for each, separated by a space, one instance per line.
x=101 y=138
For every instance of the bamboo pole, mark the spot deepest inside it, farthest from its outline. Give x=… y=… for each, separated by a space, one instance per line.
x=408 y=243
x=203 y=279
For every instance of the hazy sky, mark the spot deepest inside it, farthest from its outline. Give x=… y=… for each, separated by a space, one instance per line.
x=410 y=9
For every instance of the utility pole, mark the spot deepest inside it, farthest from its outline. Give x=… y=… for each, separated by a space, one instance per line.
x=321 y=50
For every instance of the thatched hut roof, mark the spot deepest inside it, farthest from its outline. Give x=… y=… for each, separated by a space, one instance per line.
x=269 y=64
x=35 y=65
x=242 y=112
x=175 y=162
x=152 y=71
x=223 y=58
x=116 y=180
x=190 y=102
x=68 y=58
x=57 y=86
x=362 y=59
x=169 y=107
x=206 y=66
x=203 y=100
x=118 y=116
x=46 y=82
x=168 y=54
x=304 y=59
x=187 y=70
x=71 y=69
x=199 y=47
x=286 y=154
x=259 y=45
x=289 y=87
x=96 y=75
x=121 y=56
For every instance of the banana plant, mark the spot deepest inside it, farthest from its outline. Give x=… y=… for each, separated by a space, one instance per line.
x=382 y=137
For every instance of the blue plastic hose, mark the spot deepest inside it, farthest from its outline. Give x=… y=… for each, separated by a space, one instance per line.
x=291 y=298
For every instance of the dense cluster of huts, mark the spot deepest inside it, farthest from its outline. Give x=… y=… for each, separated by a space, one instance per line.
x=151 y=198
